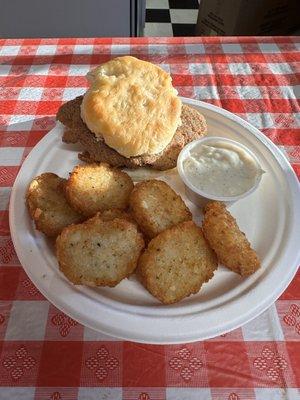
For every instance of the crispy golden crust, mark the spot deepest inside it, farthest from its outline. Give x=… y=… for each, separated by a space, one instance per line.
x=99 y=253
x=110 y=215
x=98 y=187
x=229 y=243
x=47 y=205
x=176 y=263
x=95 y=150
x=132 y=105
x=156 y=207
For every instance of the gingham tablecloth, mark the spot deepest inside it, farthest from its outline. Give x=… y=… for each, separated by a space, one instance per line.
x=46 y=355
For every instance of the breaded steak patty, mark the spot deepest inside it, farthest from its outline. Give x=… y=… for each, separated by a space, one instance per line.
x=193 y=126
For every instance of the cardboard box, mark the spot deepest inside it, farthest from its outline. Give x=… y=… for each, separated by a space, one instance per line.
x=247 y=17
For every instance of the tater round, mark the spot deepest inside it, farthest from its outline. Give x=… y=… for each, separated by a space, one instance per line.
x=98 y=187
x=47 y=204
x=99 y=253
x=176 y=263
x=155 y=206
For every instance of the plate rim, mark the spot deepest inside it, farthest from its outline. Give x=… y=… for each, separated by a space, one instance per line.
x=292 y=180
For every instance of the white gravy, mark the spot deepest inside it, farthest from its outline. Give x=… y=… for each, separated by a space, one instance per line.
x=221 y=169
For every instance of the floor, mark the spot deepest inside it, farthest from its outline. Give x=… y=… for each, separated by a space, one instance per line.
x=174 y=18
x=171 y=17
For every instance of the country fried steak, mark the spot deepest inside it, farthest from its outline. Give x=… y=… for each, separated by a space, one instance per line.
x=193 y=126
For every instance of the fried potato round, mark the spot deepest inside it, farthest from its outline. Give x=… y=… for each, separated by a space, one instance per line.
x=99 y=253
x=176 y=263
x=47 y=205
x=156 y=207
x=230 y=244
x=98 y=187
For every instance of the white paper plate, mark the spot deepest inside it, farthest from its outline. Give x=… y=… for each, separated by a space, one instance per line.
x=270 y=217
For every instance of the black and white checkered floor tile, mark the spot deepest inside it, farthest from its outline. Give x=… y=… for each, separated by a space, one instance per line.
x=171 y=17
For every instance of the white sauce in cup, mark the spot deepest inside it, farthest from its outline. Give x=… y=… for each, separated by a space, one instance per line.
x=221 y=169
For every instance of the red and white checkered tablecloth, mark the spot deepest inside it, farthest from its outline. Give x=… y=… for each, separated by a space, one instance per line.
x=46 y=355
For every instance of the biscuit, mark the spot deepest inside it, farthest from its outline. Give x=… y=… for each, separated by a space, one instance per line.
x=230 y=244
x=97 y=187
x=176 y=263
x=155 y=207
x=132 y=105
x=47 y=205
x=99 y=253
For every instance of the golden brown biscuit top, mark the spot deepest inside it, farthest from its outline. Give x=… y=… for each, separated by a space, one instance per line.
x=131 y=104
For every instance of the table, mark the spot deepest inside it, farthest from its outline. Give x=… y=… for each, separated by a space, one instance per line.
x=44 y=354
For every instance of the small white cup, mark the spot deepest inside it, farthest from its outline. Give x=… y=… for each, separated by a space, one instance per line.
x=199 y=197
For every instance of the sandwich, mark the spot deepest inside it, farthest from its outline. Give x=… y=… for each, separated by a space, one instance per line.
x=130 y=116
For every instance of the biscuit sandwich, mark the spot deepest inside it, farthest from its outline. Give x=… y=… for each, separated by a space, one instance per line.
x=130 y=116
